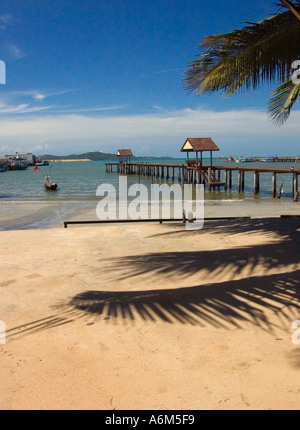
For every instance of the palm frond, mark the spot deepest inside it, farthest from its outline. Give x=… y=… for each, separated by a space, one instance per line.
x=260 y=52
x=284 y=98
x=294 y=8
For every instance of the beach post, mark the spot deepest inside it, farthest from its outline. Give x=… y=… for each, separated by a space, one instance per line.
x=295 y=187
x=280 y=191
x=256 y=182
x=243 y=181
x=239 y=181
x=226 y=179
x=274 y=184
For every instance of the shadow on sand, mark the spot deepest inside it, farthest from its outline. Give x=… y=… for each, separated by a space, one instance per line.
x=222 y=305
x=219 y=304
x=269 y=302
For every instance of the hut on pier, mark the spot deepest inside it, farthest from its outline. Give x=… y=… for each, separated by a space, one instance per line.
x=124 y=155
x=124 y=160
x=196 y=171
x=199 y=145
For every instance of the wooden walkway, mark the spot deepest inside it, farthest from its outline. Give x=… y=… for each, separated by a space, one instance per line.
x=190 y=173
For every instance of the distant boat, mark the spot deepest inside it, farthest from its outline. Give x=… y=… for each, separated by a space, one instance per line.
x=268 y=160
x=240 y=159
x=42 y=163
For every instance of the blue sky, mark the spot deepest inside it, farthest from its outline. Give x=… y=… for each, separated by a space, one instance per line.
x=98 y=75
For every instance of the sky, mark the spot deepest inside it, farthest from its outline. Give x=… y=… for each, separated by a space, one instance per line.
x=99 y=75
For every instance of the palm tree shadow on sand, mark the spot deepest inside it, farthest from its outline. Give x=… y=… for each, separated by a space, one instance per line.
x=268 y=301
x=287 y=229
x=223 y=305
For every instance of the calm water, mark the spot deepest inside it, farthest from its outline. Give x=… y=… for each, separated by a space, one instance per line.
x=79 y=181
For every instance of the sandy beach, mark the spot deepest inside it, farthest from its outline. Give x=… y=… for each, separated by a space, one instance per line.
x=152 y=316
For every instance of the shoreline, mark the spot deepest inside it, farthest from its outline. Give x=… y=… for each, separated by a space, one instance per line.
x=69 y=161
x=19 y=215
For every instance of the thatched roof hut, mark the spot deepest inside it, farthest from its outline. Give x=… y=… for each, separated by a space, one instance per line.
x=200 y=144
x=124 y=155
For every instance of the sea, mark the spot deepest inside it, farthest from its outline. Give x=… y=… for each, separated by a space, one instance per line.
x=78 y=183
x=80 y=180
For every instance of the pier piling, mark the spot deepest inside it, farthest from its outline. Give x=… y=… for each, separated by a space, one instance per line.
x=210 y=176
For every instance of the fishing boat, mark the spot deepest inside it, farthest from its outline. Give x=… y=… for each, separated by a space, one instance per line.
x=50 y=186
x=42 y=163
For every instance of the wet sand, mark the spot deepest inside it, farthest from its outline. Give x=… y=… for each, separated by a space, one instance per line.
x=21 y=215
x=151 y=316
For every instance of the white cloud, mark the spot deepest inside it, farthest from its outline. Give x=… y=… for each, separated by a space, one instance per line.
x=39 y=96
x=41 y=148
x=26 y=108
x=15 y=52
x=22 y=109
x=93 y=109
x=247 y=132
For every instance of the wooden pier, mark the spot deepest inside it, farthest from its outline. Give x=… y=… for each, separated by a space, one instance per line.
x=193 y=171
x=211 y=176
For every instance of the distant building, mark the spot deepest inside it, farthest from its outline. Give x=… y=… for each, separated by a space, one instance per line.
x=31 y=159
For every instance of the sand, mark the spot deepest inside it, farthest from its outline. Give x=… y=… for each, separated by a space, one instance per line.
x=154 y=317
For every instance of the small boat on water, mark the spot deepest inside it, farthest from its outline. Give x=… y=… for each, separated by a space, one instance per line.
x=42 y=163
x=50 y=186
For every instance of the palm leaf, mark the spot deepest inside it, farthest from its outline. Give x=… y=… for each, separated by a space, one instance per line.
x=294 y=8
x=260 y=52
x=284 y=98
